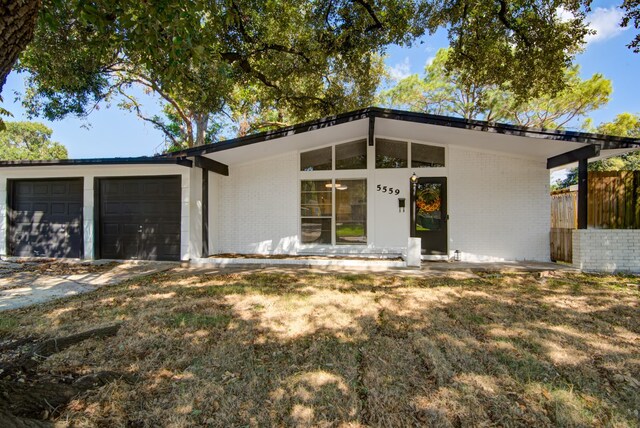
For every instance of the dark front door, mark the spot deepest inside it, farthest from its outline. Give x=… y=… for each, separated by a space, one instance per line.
x=45 y=218
x=429 y=219
x=139 y=218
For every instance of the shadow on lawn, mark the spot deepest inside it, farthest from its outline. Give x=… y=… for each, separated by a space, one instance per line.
x=281 y=349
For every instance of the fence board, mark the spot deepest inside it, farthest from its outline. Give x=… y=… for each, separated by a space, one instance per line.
x=613 y=203
x=564 y=210
x=561 y=244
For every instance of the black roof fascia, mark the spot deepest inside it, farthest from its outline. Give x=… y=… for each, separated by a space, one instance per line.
x=211 y=165
x=102 y=161
x=603 y=141
x=576 y=155
x=300 y=128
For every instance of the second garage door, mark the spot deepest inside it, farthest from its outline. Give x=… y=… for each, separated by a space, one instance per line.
x=139 y=218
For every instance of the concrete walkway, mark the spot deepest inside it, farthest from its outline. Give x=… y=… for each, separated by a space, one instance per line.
x=21 y=287
x=24 y=288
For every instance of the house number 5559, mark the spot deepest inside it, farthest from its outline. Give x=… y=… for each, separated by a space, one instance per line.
x=389 y=190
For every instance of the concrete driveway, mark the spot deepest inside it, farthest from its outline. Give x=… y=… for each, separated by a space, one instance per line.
x=29 y=283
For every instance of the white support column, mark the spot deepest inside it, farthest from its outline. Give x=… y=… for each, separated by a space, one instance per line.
x=185 y=216
x=88 y=227
x=3 y=216
x=195 y=212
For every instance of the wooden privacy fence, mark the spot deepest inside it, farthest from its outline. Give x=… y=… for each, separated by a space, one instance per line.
x=613 y=200
x=613 y=203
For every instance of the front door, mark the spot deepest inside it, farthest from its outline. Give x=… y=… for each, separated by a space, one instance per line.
x=429 y=214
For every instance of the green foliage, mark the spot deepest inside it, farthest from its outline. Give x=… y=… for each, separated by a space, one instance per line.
x=632 y=15
x=449 y=93
x=623 y=125
x=304 y=59
x=292 y=60
x=29 y=141
x=523 y=42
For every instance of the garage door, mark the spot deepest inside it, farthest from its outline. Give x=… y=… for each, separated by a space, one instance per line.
x=45 y=218
x=139 y=218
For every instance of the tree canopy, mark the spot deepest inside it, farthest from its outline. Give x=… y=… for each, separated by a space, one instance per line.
x=296 y=58
x=29 y=141
x=623 y=125
x=444 y=92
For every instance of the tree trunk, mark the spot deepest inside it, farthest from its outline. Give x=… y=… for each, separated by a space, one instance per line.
x=17 y=24
x=52 y=346
x=202 y=122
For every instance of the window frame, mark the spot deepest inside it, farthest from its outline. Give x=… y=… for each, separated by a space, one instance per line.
x=333 y=180
x=369 y=175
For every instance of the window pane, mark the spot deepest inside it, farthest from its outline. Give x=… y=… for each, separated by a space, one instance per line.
x=351 y=211
x=352 y=155
x=428 y=206
x=316 y=160
x=316 y=231
x=391 y=154
x=315 y=198
x=315 y=211
x=424 y=156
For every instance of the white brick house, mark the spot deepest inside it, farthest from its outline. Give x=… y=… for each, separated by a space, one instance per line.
x=339 y=185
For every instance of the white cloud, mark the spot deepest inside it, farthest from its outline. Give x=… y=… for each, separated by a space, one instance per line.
x=429 y=61
x=400 y=70
x=606 y=23
x=564 y=15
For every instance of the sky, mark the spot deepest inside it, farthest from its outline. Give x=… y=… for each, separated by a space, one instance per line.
x=111 y=132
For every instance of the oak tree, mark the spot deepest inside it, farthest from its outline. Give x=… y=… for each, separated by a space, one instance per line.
x=442 y=92
x=29 y=141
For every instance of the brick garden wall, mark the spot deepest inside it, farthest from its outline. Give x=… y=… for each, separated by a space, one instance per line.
x=607 y=250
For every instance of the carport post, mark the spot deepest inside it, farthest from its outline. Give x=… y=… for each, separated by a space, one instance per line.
x=583 y=191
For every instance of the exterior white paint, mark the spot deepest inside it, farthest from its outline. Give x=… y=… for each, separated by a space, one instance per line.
x=256 y=208
x=189 y=230
x=498 y=206
x=498 y=194
x=607 y=250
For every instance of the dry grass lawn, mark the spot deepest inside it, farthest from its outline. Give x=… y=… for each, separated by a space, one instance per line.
x=297 y=349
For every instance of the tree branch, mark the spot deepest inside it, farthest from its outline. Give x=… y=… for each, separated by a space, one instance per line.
x=377 y=24
x=161 y=126
x=502 y=16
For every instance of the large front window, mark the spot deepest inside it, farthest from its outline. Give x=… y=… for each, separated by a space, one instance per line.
x=316 y=202
x=321 y=223
x=351 y=211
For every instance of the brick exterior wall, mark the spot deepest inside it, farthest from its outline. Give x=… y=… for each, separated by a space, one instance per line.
x=257 y=207
x=607 y=250
x=499 y=206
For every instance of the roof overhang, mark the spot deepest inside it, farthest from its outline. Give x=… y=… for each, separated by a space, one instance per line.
x=146 y=160
x=539 y=144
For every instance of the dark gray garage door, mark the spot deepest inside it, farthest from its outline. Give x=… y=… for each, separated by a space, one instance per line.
x=139 y=218
x=45 y=218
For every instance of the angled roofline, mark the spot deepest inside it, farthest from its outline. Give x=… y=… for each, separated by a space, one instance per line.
x=605 y=142
x=144 y=160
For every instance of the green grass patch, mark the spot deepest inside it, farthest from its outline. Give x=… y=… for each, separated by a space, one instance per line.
x=7 y=324
x=344 y=231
